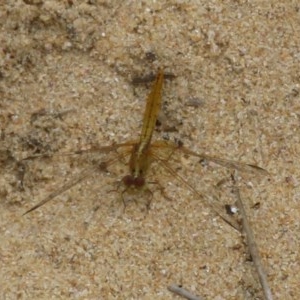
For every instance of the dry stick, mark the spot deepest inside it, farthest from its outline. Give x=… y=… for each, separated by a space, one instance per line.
x=176 y=289
x=252 y=245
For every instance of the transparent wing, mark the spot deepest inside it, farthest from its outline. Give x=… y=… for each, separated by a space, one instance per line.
x=168 y=153
x=211 y=199
x=64 y=188
x=85 y=173
x=93 y=149
x=172 y=147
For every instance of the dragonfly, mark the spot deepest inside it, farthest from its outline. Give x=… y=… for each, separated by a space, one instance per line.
x=143 y=152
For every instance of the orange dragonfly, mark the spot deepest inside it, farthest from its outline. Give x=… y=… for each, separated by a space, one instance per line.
x=143 y=152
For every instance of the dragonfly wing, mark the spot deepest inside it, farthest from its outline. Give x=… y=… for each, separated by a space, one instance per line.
x=211 y=200
x=172 y=147
x=93 y=149
x=75 y=180
x=228 y=163
x=63 y=188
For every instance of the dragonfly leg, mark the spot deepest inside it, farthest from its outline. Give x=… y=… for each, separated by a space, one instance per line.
x=148 y=202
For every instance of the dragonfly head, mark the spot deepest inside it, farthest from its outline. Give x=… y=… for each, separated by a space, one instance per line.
x=130 y=180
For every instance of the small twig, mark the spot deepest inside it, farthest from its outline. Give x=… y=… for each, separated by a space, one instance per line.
x=177 y=289
x=252 y=245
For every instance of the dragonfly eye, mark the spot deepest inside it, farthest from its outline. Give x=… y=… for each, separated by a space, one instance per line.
x=128 y=180
x=139 y=181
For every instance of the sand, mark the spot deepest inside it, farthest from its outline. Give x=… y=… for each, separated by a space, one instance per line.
x=65 y=84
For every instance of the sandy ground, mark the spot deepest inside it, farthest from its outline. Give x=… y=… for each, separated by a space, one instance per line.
x=65 y=84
